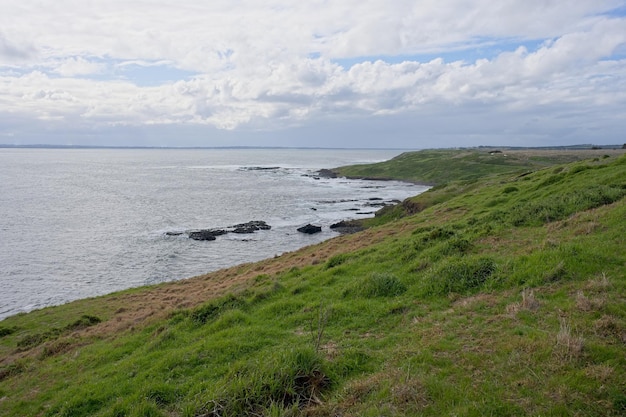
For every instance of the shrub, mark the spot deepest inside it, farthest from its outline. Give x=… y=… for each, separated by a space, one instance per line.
x=461 y=275
x=336 y=260
x=457 y=245
x=5 y=331
x=12 y=369
x=288 y=380
x=381 y=285
x=33 y=340
x=83 y=322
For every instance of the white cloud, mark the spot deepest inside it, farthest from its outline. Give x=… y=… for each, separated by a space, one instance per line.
x=77 y=66
x=272 y=65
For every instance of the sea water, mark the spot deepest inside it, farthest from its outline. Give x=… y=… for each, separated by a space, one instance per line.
x=77 y=223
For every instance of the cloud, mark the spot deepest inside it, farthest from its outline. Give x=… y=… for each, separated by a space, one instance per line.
x=77 y=66
x=12 y=52
x=276 y=66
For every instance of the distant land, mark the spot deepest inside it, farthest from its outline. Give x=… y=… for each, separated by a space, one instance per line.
x=46 y=146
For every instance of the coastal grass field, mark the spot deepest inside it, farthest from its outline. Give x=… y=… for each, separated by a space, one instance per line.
x=500 y=291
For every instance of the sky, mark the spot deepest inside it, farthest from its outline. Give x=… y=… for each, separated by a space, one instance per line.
x=313 y=73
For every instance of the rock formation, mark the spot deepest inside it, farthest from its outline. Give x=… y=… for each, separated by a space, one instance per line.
x=309 y=229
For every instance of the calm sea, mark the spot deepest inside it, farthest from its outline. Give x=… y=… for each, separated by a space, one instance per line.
x=77 y=223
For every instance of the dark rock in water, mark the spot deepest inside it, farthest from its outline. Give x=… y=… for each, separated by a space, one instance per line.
x=337 y=201
x=211 y=234
x=260 y=168
x=347 y=227
x=377 y=204
x=309 y=229
x=251 y=227
x=327 y=173
x=203 y=235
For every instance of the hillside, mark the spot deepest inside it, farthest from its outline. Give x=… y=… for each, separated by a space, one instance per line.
x=440 y=166
x=501 y=291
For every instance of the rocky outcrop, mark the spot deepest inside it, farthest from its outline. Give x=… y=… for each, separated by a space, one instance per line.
x=250 y=227
x=326 y=173
x=309 y=229
x=347 y=226
x=212 y=234
x=207 y=234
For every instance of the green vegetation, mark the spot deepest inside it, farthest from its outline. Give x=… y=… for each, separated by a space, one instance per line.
x=502 y=293
x=440 y=166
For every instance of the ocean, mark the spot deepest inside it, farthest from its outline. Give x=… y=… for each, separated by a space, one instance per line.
x=77 y=223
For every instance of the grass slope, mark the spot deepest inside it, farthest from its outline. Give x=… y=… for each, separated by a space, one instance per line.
x=504 y=295
x=440 y=166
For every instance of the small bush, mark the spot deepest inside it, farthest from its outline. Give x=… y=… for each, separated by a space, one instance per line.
x=381 y=285
x=33 y=340
x=5 y=331
x=440 y=233
x=55 y=348
x=509 y=190
x=462 y=275
x=83 y=322
x=288 y=380
x=457 y=245
x=336 y=260
x=11 y=369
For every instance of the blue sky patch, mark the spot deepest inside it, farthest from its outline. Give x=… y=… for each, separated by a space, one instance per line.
x=151 y=75
x=485 y=49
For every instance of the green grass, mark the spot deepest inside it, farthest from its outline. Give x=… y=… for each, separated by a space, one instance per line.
x=501 y=295
x=441 y=166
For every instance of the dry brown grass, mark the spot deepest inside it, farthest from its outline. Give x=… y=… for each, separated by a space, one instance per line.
x=583 y=302
x=601 y=372
x=600 y=283
x=611 y=328
x=406 y=393
x=528 y=303
x=569 y=345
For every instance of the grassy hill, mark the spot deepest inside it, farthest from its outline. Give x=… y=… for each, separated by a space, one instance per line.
x=440 y=166
x=501 y=291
